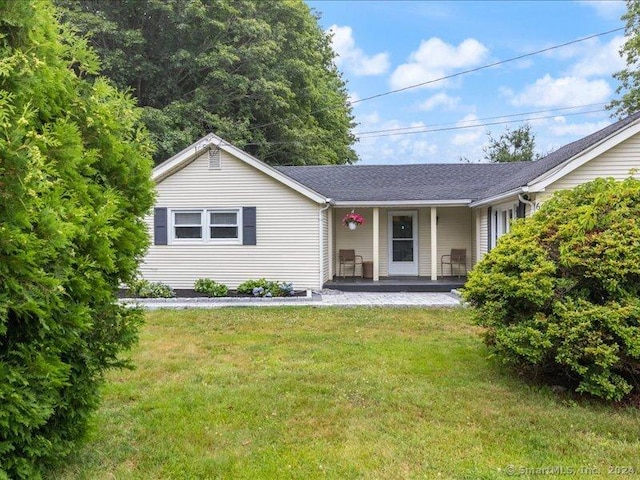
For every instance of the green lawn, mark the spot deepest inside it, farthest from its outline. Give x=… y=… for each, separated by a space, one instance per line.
x=337 y=393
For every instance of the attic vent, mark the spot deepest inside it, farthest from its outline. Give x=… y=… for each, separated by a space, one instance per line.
x=214 y=158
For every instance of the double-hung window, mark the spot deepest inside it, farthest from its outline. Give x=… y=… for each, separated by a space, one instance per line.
x=223 y=224
x=207 y=225
x=187 y=225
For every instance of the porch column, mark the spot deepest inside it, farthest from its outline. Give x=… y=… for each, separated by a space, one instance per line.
x=376 y=244
x=330 y=241
x=434 y=243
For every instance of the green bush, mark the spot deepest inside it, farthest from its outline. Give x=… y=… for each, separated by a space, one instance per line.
x=559 y=294
x=74 y=186
x=210 y=287
x=141 y=288
x=266 y=288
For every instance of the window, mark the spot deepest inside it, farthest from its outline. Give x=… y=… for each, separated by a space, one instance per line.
x=503 y=215
x=187 y=225
x=223 y=224
x=207 y=225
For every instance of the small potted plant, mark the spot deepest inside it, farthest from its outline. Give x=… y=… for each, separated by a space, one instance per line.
x=352 y=220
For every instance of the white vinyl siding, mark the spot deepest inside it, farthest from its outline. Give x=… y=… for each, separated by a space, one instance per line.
x=360 y=239
x=484 y=232
x=454 y=231
x=616 y=162
x=287 y=228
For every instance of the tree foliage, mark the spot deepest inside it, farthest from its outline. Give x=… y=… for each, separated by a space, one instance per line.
x=560 y=294
x=629 y=78
x=74 y=184
x=512 y=146
x=260 y=74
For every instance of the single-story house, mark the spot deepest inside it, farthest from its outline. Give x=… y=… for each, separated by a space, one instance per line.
x=223 y=214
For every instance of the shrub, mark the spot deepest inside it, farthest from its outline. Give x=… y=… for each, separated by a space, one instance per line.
x=559 y=294
x=266 y=288
x=141 y=288
x=74 y=185
x=211 y=287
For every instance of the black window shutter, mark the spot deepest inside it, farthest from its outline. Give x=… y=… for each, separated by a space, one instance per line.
x=249 y=226
x=160 y=226
x=489 y=215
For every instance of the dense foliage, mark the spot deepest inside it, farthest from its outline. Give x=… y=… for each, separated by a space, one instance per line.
x=512 y=146
x=266 y=288
x=74 y=183
x=560 y=294
x=629 y=78
x=259 y=74
x=141 y=288
x=210 y=287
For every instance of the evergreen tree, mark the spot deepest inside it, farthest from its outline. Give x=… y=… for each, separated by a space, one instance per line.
x=74 y=184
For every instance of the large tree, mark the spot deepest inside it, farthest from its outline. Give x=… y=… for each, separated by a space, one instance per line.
x=629 y=88
x=512 y=146
x=74 y=184
x=260 y=74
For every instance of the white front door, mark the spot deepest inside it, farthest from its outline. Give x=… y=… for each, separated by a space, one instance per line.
x=403 y=243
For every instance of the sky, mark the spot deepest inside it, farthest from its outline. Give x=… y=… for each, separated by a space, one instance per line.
x=389 y=45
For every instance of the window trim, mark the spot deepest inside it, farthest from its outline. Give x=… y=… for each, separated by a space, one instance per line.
x=503 y=215
x=205 y=224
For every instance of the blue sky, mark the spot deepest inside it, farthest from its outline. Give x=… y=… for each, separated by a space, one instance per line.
x=386 y=45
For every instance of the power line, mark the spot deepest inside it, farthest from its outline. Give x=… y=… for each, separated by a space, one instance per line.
x=446 y=77
x=461 y=127
x=483 y=67
x=483 y=119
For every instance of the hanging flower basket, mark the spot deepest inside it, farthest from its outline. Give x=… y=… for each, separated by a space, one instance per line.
x=352 y=220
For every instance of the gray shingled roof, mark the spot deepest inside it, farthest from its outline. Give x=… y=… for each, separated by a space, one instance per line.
x=437 y=181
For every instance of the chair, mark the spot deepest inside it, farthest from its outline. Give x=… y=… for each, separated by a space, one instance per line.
x=458 y=256
x=348 y=258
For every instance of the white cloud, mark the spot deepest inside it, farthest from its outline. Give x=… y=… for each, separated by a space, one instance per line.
x=561 y=92
x=440 y=99
x=470 y=135
x=609 y=9
x=576 y=129
x=435 y=59
x=600 y=60
x=352 y=57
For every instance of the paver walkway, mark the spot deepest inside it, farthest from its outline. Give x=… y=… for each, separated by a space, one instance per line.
x=325 y=299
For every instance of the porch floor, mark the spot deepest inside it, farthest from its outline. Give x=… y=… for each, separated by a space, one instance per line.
x=395 y=284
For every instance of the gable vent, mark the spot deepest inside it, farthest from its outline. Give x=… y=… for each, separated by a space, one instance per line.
x=214 y=158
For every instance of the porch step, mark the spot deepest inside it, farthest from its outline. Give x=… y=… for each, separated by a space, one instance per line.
x=395 y=284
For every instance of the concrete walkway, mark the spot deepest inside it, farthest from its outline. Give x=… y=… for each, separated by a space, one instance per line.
x=330 y=298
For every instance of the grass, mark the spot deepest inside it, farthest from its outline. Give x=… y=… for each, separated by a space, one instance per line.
x=337 y=393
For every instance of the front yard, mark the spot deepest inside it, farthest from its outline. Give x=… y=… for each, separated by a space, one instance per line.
x=338 y=393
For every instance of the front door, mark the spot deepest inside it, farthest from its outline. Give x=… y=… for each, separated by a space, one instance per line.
x=403 y=243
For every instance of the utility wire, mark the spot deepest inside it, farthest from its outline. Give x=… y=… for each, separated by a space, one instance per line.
x=416 y=127
x=483 y=67
x=461 y=127
x=490 y=65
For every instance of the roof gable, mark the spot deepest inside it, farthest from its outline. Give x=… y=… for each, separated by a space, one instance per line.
x=193 y=151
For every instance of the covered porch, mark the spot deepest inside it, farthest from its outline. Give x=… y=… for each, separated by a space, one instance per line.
x=395 y=284
x=401 y=247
